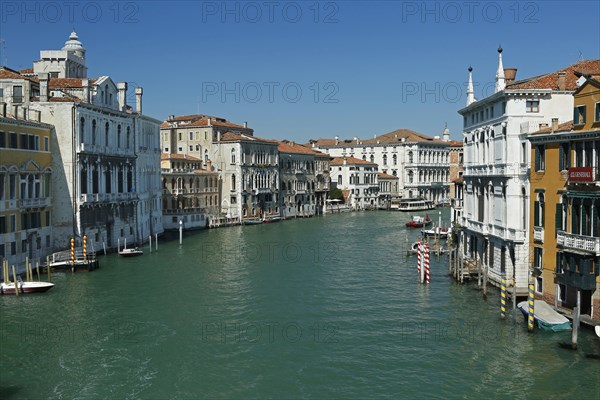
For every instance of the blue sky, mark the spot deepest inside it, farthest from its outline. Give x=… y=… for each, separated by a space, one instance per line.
x=308 y=69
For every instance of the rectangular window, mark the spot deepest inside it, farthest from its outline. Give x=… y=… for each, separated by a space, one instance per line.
x=503 y=107
x=596 y=113
x=2 y=225
x=13 y=223
x=579 y=116
x=233 y=200
x=166 y=149
x=46 y=144
x=23 y=142
x=2 y=182
x=532 y=106
x=12 y=144
x=12 y=187
x=191 y=148
x=564 y=157
x=2 y=139
x=191 y=135
x=13 y=248
x=17 y=94
x=540 y=158
x=492 y=112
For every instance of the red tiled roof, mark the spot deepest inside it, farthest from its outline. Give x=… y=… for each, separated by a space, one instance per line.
x=455 y=143
x=564 y=127
x=26 y=71
x=382 y=175
x=550 y=80
x=175 y=156
x=65 y=82
x=393 y=137
x=7 y=73
x=339 y=161
x=200 y=120
x=236 y=137
x=295 y=148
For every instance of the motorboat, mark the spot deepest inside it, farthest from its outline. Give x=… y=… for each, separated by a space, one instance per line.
x=132 y=252
x=437 y=231
x=417 y=221
x=25 y=287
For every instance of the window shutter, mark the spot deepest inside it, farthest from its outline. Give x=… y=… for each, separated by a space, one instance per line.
x=574 y=227
x=568 y=148
x=537 y=158
x=561 y=156
x=536 y=213
x=575 y=116
x=596 y=221
x=583 y=112
x=559 y=217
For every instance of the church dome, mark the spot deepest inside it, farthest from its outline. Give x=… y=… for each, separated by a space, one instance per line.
x=73 y=43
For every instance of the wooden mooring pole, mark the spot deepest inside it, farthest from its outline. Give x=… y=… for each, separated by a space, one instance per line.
x=576 y=314
x=15 y=281
x=485 y=281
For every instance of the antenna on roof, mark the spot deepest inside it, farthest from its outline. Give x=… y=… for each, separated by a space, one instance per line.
x=580 y=55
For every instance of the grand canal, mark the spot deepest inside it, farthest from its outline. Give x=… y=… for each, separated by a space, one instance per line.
x=317 y=308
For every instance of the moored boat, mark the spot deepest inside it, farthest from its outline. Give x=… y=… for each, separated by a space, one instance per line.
x=418 y=221
x=545 y=317
x=253 y=221
x=25 y=287
x=436 y=231
x=271 y=219
x=132 y=252
x=415 y=205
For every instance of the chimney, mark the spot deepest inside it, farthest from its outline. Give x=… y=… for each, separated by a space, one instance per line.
x=561 y=80
x=337 y=139
x=218 y=134
x=43 y=77
x=554 y=124
x=208 y=165
x=138 y=99
x=122 y=86
x=4 y=110
x=85 y=85
x=510 y=74
x=245 y=124
x=170 y=117
x=356 y=139
x=209 y=121
x=344 y=160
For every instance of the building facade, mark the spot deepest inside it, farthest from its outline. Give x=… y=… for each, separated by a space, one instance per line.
x=456 y=181
x=357 y=179
x=249 y=170
x=419 y=162
x=496 y=170
x=25 y=188
x=190 y=193
x=388 y=189
x=106 y=155
x=565 y=206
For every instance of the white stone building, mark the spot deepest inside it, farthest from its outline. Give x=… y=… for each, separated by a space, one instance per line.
x=496 y=167
x=420 y=162
x=106 y=156
x=249 y=171
x=358 y=181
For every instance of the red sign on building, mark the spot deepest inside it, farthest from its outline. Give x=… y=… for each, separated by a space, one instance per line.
x=581 y=174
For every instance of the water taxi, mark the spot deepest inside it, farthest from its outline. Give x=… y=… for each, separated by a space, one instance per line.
x=418 y=221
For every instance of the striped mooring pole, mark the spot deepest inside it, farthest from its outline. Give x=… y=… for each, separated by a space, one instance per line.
x=426 y=256
x=72 y=252
x=85 y=247
x=419 y=259
x=503 y=296
x=531 y=302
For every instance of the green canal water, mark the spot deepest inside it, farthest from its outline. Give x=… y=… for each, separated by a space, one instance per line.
x=317 y=308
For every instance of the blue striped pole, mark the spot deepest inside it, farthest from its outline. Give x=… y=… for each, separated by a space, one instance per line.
x=530 y=301
x=503 y=296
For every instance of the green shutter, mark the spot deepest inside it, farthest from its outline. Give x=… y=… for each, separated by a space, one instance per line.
x=575 y=115
x=561 y=156
x=559 y=226
x=583 y=110
x=537 y=158
x=596 y=220
x=536 y=213
x=568 y=148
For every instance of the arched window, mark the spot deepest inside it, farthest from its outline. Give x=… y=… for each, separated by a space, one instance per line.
x=410 y=157
x=81 y=130
x=385 y=159
x=233 y=156
x=410 y=177
x=106 y=128
x=538 y=216
x=205 y=155
x=372 y=158
x=394 y=159
x=233 y=182
x=93 y=131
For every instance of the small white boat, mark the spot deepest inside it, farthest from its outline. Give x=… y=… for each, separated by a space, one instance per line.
x=25 y=287
x=441 y=233
x=597 y=329
x=133 y=252
x=547 y=319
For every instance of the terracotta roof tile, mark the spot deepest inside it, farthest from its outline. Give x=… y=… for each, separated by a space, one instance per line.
x=295 y=148
x=176 y=156
x=564 y=127
x=339 y=161
x=550 y=80
x=65 y=82
x=382 y=175
x=26 y=71
x=7 y=73
x=390 y=138
x=236 y=137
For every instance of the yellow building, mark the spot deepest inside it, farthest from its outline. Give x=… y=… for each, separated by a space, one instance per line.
x=25 y=187
x=565 y=205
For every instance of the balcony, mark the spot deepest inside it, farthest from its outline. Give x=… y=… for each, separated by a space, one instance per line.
x=538 y=234
x=578 y=242
x=35 y=203
x=107 y=197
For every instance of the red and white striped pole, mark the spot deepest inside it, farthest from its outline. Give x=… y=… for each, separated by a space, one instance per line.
x=419 y=259
x=426 y=266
